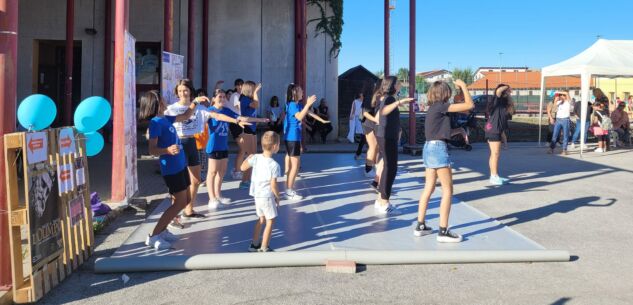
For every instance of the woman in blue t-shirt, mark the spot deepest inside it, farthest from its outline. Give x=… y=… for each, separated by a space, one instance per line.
x=164 y=142
x=294 y=114
x=249 y=103
x=218 y=145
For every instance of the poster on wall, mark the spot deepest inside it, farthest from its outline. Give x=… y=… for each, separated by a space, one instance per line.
x=66 y=179
x=66 y=141
x=36 y=147
x=76 y=210
x=129 y=104
x=172 y=71
x=45 y=222
x=147 y=62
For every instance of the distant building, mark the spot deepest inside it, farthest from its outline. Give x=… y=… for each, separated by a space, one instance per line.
x=480 y=72
x=353 y=81
x=435 y=75
x=526 y=86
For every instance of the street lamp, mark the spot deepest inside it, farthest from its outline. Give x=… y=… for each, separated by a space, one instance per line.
x=500 y=54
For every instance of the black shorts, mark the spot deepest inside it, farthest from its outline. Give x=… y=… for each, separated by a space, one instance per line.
x=218 y=155
x=247 y=130
x=177 y=182
x=293 y=148
x=191 y=151
x=493 y=137
x=236 y=130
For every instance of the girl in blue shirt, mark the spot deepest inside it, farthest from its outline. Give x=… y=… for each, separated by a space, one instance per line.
x=164 y=142
x=294 y=114
x=249 y=103
x=217 y=146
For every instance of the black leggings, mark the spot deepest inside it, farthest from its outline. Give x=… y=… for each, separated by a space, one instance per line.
x=361 y=144
x=389 y=152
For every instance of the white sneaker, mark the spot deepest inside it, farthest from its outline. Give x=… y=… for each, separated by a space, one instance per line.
x=572 y=146
x=495 y=180
x=376 y=204
x=371 y=173
x=599 y=150
x=224 y=200
x=236 y=175
x=157 y=242
x=213 y=204
x=388 y=210
x=168 y=236
x=293 y=195
x=449 y=237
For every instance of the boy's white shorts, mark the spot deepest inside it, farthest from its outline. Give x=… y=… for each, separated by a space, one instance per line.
x=266 y=207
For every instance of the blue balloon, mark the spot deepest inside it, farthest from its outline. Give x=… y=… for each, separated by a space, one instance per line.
x=551 y=93
x=92 y=114
x=37 y=112
x=94 y=143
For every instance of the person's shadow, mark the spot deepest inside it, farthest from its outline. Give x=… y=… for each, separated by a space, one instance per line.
x=562 y=207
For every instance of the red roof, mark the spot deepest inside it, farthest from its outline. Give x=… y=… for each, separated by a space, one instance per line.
x=524 y=80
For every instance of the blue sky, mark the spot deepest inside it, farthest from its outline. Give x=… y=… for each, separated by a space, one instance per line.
x=471 y=33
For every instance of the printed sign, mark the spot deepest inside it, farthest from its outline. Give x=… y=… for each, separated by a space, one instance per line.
x=76 y=210
x=172 y=71
x=36 y=147
x=65 y=176
x=129 y=105
x=80 y=174
x=45 y=222
x=66 y=141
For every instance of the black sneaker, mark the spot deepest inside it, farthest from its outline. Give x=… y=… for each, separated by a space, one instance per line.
x=446 y=236
x=422 y=229
x=254 y=248
x=374 y=185
x=265 y=250
x=193 y=216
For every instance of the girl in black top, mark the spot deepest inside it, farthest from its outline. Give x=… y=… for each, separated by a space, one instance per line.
x=389 y=145
x=437 y=129
x=323 y=112
x=501 y=110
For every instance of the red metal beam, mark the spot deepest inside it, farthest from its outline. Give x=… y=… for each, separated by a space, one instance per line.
x=191 y=39
x=118 y=143
x=8 y=95
x=205 y=44
x=412 y=18
x=70 y=43
x=387 y=18
x=168 y=23
x=300 y=43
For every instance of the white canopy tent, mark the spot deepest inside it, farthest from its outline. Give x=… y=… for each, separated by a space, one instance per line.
x=605 y=58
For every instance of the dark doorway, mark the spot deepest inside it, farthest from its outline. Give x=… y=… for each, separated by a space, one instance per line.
x=49 y=71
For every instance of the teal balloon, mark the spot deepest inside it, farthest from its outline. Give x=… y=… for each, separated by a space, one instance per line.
x=92 y=114
x=37 y=112
x=551 y=93
x=94 y=143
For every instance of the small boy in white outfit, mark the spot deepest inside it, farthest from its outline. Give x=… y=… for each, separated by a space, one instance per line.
x=264 y=190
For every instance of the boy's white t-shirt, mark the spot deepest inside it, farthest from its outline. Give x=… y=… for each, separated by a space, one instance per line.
x=264 y=170
x=234 y=102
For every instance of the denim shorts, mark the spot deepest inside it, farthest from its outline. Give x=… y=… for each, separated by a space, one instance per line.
x=435 y=154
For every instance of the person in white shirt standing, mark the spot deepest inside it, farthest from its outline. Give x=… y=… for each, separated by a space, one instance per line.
x=236 y=130
x=563 y=112
x=264 y=190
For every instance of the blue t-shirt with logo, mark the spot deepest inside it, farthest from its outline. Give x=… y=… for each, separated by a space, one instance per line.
x=162 y=128
x=247 y=110
x=219 y=131
x=292 y=126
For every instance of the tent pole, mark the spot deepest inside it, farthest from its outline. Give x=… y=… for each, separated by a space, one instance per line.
x=585 y=79
x=540 y=112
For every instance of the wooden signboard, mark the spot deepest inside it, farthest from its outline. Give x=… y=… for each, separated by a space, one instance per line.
x=55 y=210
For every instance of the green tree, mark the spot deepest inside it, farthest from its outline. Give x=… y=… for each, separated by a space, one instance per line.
x=379 y=73
x=421 y=85
x=467 y=75
x=403 y=74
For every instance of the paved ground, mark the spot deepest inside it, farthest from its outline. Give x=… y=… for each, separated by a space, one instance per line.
x=582 y=205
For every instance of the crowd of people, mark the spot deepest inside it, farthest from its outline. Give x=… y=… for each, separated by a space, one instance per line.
x=195 y=130
x=607 y=121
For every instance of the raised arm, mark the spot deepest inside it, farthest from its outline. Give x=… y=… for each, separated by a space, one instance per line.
x=301 y=115
x=387 y=109
x=318 y=118
x=468 y=104
x=255 y=103
x=218 y=84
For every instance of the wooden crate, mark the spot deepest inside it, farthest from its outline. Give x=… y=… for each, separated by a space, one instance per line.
x=77 y=239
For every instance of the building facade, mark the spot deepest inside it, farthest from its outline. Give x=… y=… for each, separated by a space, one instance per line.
x=248 y=39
